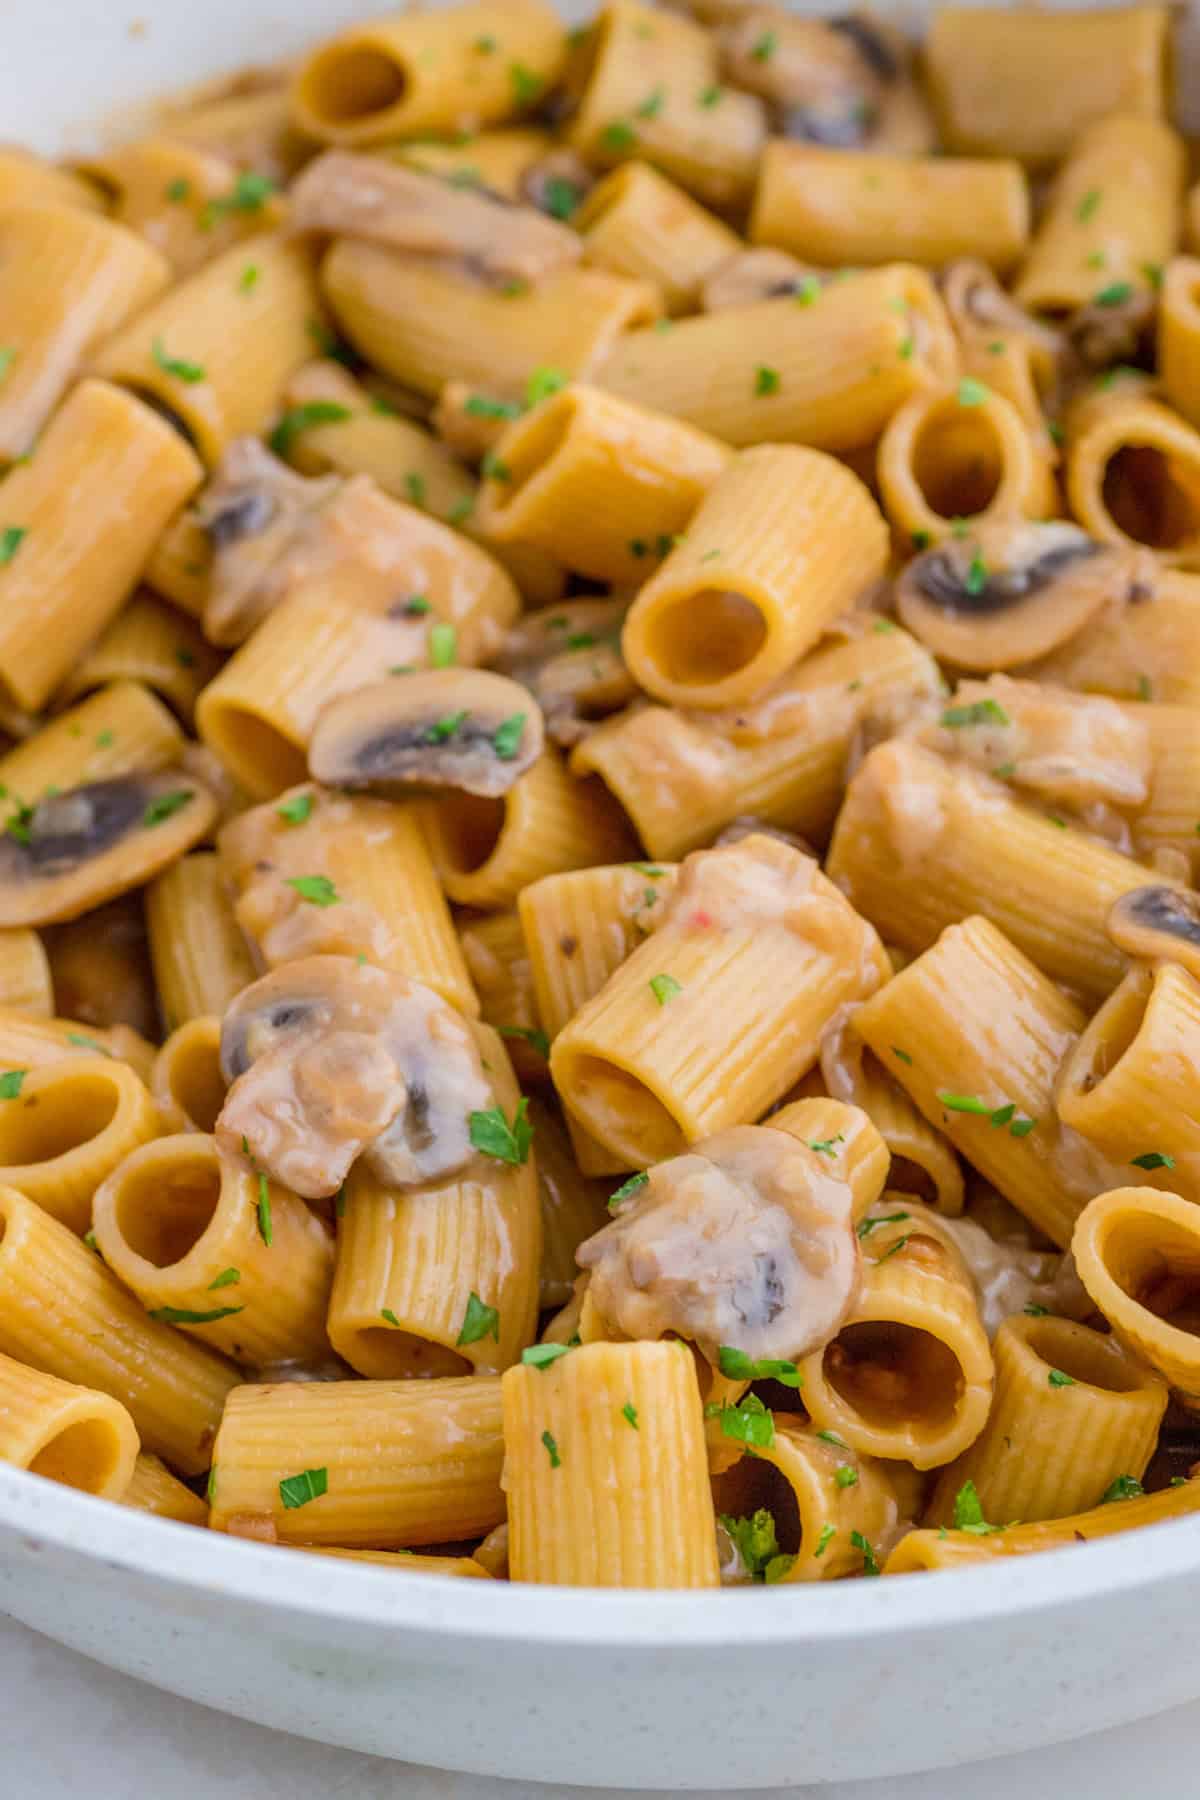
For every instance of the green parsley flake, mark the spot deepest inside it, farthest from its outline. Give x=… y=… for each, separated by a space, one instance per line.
x=968 y=1512
x=652 y=870
x=618 y=136
x=825 y=1146
x=709 y=96
x=651 y=106
x=755 y=1540
x=664 y=988
x=766 y=380
x=297 y=1490
x=560 y=197
x=1116 y=295
x=972 y=392
x=210 y=1490
x=482 y=406
x=506 y=739
x=443 y=645
x=297 y=809
x=979 y=712
x=865 y=1227
x=537 y=1039
x=540 y=1356
x=766 y=47
x=177 y=190
x=630 y=1415
x=388 y=1315
x=845 y=1476
x=544 y=382
x=977 y=575
x=248 y=279
x=443 y=729
x=1035 y=1310
x=266 y=1230
x=1153 y=1159
x=491 y=1133
x=749 y=1423
x=227 y=1278
x=1087 y=206
x=318 y=890
x=901 y=1055
x=492 y=468
x=10 y=1083
x=479 y=1321
x=1057 y=1379
x=87 y=1043
x=738 y=1366
x=304 y=418
x=551 y=1450
x=167 y=805
x=1125 y=1487
x=414 y=487
x=182 y=1315
x=11 y=539
x=249 y=194
x=526 y=86
x=176 y=366
x=870 y=1561
x=822 y=1543
x=7 y=358
x=634 y=1184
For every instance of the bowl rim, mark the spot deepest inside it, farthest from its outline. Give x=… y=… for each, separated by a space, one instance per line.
x=451 y=1611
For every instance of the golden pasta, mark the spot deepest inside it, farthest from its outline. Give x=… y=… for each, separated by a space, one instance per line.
x=201 y=961
x=153 y=1489
x=149 y=643
x=186 y=1081
x=65 y=1127
x=636 y=222
x=66 y=1433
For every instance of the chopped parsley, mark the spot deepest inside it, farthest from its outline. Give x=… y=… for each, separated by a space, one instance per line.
x=560 y=197
x=493 y=468
x=266 y=1230
x=318 y=890
x=845 y=1476
x=479 y=1321
x=177 y=190
x=865 y=1227
x=7 y=358
x=167 y=805
x=249 y=193
x=227 y=1278
x=634 y=1184
x=414 y=487
x=248 y=279
x=303 y=418
x=630 y=1415
x=977 y=576
x=1116 y=295
x=664 y=988
x=11 y=1082
x=443 y=729
x=1125 y=1487
x=1153 y=1159
x=540 y=1356
x=651 y=106
x=544 y=382
x=1087 y=206
x=766 y=380
x=526 y=86
x=551 y=1450
x=766 y=47
x=88 y=1043
x=618 y=136
x=709 y=96
x=536 y=1039
x=822 y=1543
x=653 y=871
x=997 y=1116
x=210 y=1490
x=971 y=392
x=11 y=539
x=1036 y=1310
x=825 y=1146
x=968 y=1512
x=870 y=1561
x=807 y=290
x=758 y=1546
x=176 y=365
x=297 y=1490
x=482 y=406
x=443 y=645
x=182 y=1315
x=893 y=1249
x=491 y=1133
x=297 y=809
x=979 y=712
x=901 y=1055
x=1056 y=1378
x=749 y=1422
x=739 y=1367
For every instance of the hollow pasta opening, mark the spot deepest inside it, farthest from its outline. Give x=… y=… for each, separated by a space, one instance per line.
x=81 y=1456
x=352 y=82
x=387 y=1354
x=623 y=1111
x=42 y=1127
x=753 y=1483
x=706 y=637
x=1161 y=1273
x=1152 y=496
x=470 y=827
x=1108 y=1036
x=1083 y=1355
x=958 y=460
x=196 y=1083
x=162 y=1211
x=541 y=439
x=890 y=1373
x=258 y=756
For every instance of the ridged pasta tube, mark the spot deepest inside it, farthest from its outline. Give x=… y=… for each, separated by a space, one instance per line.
x=65 y=1433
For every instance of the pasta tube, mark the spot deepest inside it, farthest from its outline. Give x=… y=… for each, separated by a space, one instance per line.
x=957 y=453
x=573 y=1206
x=1138 y=1256
x=188 y=202
x=598 y=483
x=26 y=179
x=909 y=1376
x=1150 y=642
x=497 y=160
x=215 y=350
x=228 y=1256
x=63 y=1312
x=153 y=1489
x=973 y=850
x=1166 y=823
x=442 y=1278
x=876 y=207
x=498 y=964
x=426 y=323
x=413 y=74
x=644 y=78
x=186 y=1082
x=31 y=1043
x=360 y=1464
x=1179 y=336
x=753 y=932
x=1112 y=220
x=122 y=730
x=606 y=1470
x=1133 y=476
x=70 y=278
x=836 y=365
x=838 y=1499
x=150 y=643
x=78 y=523
x=1025 y=83
x=487 y=850
x=781 y=760
x=954 y=1549
x=736 y=603
x=25 y=982
x=923 y=1162
x=339 y=874
x=638 y=223
x=1072 y=1412
x=65 y=1433
x=978 y=1037
x=181 y=562
x=65 y=1127
x=199 y=955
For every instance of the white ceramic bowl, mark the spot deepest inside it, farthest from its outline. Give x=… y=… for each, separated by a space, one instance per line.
x=637 y=1690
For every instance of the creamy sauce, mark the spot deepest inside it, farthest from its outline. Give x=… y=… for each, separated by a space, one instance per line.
x=1011 y=1276
x=744 y=1240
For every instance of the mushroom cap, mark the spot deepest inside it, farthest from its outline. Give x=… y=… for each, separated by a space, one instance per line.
x=1011 y=591
x=1158 y=924
x=436 y=728
x=73 y=851
x=329 y=1059
x=744 y=1239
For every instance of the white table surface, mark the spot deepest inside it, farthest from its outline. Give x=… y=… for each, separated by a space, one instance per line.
x=72 y=1728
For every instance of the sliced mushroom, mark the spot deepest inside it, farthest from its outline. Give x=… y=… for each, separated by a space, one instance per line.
x=569 y=657
x=557 y=183
x=1100 y=335
x=72 y=851
x=438 y=728
x=746 y=1239
x=976 y=301
x=1011 y=591
x=1158 y=924
x=258 y=516
x=409 y=210
x=329 y=1059
x=751 y=275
